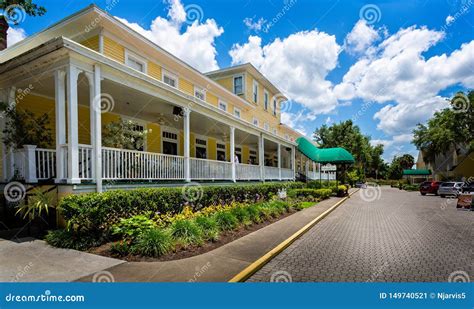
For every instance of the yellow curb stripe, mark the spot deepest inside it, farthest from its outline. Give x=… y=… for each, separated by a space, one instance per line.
x=255 y=266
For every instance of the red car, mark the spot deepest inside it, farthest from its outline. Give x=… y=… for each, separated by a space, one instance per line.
x=430 y=187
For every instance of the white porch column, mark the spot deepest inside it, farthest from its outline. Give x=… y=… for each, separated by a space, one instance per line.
x=293 y=161
x=60 y=107
x=187 y=153
x=232 y=153
x=72 y=132
x=307 y=169
x=30 y=163
x=11 y=156
x=4 y=98
x=279 y=161
x=92 y=111
x=96 y=128
x=261 y=156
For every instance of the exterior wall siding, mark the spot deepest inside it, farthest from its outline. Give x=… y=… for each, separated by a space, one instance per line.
x=92 y=43
x=186 y=86
x=114 y=50
x=154 y=70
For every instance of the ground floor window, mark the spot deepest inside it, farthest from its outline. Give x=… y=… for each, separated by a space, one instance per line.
x=170 y=143
x=201 y=148
x=221 y=153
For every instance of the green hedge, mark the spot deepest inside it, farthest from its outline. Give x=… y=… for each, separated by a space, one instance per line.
x=308 y=192
x=97 y=212
x=316 y=184
x=411 y=187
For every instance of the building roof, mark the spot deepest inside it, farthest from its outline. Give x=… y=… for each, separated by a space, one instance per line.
x=324 y=155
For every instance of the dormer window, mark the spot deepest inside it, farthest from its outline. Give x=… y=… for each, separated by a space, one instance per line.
x=265 y=99
x=255 y=121
x=135 y=62
x=200 y=93
x=274 y=107
x=223 y=106
x=255 y=92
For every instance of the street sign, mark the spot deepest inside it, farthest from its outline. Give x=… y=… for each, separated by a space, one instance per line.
x=328 y=168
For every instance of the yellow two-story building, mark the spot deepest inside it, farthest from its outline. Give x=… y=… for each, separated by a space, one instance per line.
x=90 y=70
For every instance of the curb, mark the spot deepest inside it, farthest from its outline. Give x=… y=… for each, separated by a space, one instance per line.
x=255 y=266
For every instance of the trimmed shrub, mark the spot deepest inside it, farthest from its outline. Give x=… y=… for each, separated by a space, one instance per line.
x=154 y=243
x=316 y=184
x=308 y=193
x=132 y=227
x=411 y=187
x=226 y=220
x=70 y=240
x=342 y=191
x=98 y=212
x=209 y=227
x=242 y=215
x=186 y=232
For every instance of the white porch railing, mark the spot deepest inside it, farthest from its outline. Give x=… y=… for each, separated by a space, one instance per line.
x=45 y=163
x=120 y=164
x=85 y=162
x=202 y=169
x=324 y=176
x=272 y=173
x=247 y=172
x=287 y=173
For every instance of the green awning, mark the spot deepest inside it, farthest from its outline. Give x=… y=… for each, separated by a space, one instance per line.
x=416 y=172
x=324 y=155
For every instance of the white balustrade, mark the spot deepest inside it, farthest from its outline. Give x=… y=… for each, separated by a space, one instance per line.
x=202 y=169
x=121 y=164
x=85 y=162
x=45 y=163
x=247 y=172
x=324 y=176
x=287 y=173
x=271 y=173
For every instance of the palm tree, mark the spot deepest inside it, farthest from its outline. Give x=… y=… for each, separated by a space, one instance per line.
x=13 y=13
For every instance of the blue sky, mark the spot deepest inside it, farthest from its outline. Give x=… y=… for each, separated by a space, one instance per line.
x=385 y=64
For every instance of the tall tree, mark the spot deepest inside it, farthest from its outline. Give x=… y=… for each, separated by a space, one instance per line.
x=13 y=11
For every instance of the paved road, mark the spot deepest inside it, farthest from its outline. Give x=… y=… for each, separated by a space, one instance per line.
x=398 y=237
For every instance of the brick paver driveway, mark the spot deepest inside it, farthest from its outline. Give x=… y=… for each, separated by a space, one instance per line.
x=402 y=236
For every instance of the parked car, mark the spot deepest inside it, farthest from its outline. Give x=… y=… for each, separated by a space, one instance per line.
x=450 y=188
x=360 y=184
x=430 y=187
x=468 y=188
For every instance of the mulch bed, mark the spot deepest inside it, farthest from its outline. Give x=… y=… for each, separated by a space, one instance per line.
x=182 y=253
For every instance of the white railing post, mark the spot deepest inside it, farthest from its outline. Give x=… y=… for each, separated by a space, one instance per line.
x=96 y=126
x=293 y=161
x=186 y=124
x=60 y=108
x=30 y=163
x=73 y=134
x=11 y=156
x=232 y=152
x=261 y=155
x=279 y=162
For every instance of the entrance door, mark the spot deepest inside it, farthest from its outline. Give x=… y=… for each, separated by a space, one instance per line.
x=170 y=148
x=201 y=153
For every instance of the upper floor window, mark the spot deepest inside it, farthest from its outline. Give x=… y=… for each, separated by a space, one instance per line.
x=223 y=106
x=274 y=131
x=199 y=93
x=274 y=107
x=135 y=62
x=236 y=112
x=170 y=79
x=255 y=92
x=255 y=121
x=266 y=127
x=287 y=137
x=265 y=99
x=239 y=84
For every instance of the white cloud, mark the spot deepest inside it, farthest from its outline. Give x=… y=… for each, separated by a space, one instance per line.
x=15 y=35
x=297 y=64
x=361 y=37
x=397 y=72
x=195 y=45
x=254 y=25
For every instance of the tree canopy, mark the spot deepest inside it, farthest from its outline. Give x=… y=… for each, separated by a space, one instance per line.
x=453 y=126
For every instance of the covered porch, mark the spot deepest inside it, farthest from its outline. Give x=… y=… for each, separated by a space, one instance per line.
x=187 y=139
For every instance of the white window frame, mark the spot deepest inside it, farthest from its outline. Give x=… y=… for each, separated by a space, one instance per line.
x=243 y=83
x=255 y=122
x=223 y=103
x=199 y=89
x=275 y=106
x=136 y=58
x=170 y=76
x=164 y=139
x=220 y=149
x=266 y=98
x=266 y=126
x=255 y=92
x=204 y=138
x=237 y=111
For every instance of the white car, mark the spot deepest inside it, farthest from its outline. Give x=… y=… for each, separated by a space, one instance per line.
x=450 y=188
